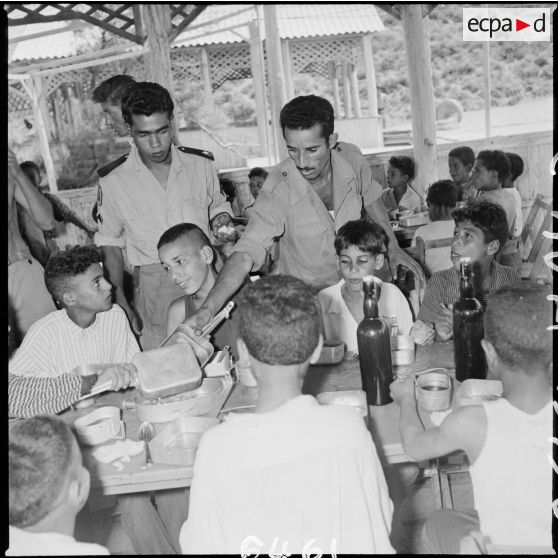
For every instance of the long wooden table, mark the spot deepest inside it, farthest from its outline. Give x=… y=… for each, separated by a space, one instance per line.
x=384 y=423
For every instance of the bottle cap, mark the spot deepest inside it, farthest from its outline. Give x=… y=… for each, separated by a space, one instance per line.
x=465 y=259
x=368 y=281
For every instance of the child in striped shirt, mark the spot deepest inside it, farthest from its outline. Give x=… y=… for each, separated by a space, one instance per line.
x=481 y=229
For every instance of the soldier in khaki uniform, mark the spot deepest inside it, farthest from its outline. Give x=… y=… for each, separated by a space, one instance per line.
x=142 y=194
x=304 y=200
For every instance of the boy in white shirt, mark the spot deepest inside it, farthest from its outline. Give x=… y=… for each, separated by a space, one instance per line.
x=400 y=195
x=441 y=199
x=359 y=246
x=508 y=186
x=293 y=475
x=48 y=487
x=508 y=440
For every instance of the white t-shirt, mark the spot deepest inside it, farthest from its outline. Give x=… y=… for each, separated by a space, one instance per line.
x=436 y=259
x=339 y=323
x=27 y=543
x=512 y=478
x=516 y=197
x=304 y=475
x=55 y=345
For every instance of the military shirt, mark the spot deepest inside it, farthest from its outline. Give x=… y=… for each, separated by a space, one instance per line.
x=290 y=210
x=135 y=210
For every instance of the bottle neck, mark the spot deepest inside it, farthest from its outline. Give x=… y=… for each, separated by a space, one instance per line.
x=370 y=305
x=466 y=288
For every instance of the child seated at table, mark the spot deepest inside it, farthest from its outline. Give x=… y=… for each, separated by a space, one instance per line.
x=508 y=440
x=441 y=199
x=510 y=188
x=48 y=487
x=490 y=170
x=480 y=231
x=400 y=195
x=359 y=246
x=186 y=253
x=293 y=474
x=460 y=162
x=89 y=329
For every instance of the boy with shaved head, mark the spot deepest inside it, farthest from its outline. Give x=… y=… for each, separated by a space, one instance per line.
x=48 y=487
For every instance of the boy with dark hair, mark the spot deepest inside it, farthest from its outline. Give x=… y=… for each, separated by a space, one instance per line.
x=441 y=199
x=480 y=230
x=400 y=195
x=509 y=187
x=188 y=258
x=460 y=161
x=508 y=440
x=315 y=478
x=490 y=170
x=88 y=329
x=359 y=246
x=48 y=487
x=156 y=186
x=109 y=95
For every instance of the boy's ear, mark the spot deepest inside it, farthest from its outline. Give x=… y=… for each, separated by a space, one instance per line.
x=207 y=255
x=317 y=351
x=492 y=247
x=69 y=298
x=243 y=353
x=380 y=258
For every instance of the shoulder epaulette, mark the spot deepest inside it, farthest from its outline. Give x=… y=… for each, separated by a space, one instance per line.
x=200 y=152
x=111 y=166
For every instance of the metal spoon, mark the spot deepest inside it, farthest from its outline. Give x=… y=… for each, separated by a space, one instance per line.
x=146 y=433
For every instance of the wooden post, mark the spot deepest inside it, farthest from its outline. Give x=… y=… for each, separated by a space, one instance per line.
x=289 y=78
x=415 y=32
x=486 y=71
x=275 y=76
x=354 y=90
x=370 y=75
x=258 y=75
x=157 y=24
x=332 y=68
x=34 y=87
x=346 y=89
x=206 y=77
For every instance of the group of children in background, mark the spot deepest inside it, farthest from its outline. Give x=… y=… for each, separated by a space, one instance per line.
x=227 y=502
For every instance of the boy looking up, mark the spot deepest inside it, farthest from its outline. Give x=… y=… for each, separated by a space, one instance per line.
x=508 y=440
x=88 y=329
x=188 y=258
x=359 y=246
x=460 y=162
x=480 y=230
x=48 y=487
x=400 y=194
x=441 y=199
x=315 y=478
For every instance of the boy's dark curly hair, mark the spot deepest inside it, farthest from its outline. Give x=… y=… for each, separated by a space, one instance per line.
x=403 y=163
x=442 y=193
x=488 y=217
x=494 y=159
x=304 y=112
x=63 y=266
x=145 y=97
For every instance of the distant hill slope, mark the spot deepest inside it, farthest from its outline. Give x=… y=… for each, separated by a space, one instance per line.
x=519 y=71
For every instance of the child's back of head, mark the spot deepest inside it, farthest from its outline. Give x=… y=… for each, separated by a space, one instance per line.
x=43 y=460
x=516 y=169
x=279 y=320
x=441 y=199
x=516 y=322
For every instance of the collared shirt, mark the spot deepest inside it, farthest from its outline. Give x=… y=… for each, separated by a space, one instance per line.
x=55 y=344
x=443 y=288
x=303 y=473
x=290 y=210
x=339 y=323
x=410 y=200
x=136 y=209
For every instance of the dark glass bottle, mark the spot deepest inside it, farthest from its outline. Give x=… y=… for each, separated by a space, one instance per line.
x=374 y=350
x=468 y=329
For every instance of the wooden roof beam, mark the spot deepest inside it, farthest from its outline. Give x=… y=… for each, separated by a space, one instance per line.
x=185 y=22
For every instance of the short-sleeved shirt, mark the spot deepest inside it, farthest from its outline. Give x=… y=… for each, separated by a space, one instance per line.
x=410 y=200
x=135 y=210
x=443 y=288
x=290 y=210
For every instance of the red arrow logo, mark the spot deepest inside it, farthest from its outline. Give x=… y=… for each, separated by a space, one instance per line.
x=519 y=25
